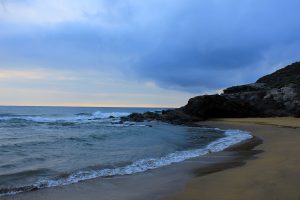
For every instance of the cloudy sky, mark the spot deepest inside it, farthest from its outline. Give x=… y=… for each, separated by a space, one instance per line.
x=139 y=53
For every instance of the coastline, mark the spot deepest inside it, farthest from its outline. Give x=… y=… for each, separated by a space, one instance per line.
x=235 y=173
x=275 y=174
x=149 y=185
x=152 y=184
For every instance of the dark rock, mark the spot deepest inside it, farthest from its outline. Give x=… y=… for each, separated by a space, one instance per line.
x=151 y=115
x=277 y=94
x=135 y=117
x=178 y=116
x=245 y=88
x=217 y=106
x=283 y=77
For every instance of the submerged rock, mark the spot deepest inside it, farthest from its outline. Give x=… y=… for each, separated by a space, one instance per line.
x=135 y=117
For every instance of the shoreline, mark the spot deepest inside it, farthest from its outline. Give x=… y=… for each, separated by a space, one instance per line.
x=231 y=138
x=275 y=174
x=183 y=171
x=149 y=185
x=191 y=179
x=285 y=122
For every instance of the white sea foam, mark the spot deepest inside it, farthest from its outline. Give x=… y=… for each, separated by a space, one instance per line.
x=231 y=137
x=79 y=118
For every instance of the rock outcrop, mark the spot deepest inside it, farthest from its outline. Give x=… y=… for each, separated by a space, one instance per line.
x=277 y=94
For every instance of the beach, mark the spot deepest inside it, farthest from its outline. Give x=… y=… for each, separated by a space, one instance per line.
x=275 y=174
x=269 y=171
x=149 y=100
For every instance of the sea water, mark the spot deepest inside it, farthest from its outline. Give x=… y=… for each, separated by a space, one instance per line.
x=51 y=146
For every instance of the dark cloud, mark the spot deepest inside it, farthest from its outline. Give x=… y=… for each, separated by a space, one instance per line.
x=186 y=45
x=214 y=44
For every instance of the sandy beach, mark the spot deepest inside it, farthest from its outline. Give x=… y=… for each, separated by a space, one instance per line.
x=149 y=100
x=275 y=174
x=269 y=171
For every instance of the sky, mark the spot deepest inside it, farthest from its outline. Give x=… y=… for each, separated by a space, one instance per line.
x=154 y=53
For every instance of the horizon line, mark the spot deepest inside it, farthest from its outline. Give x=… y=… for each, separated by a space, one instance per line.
x=85 y=106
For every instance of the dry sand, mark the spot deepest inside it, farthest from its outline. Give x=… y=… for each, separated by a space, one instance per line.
x=274 y=175
x=277 y=121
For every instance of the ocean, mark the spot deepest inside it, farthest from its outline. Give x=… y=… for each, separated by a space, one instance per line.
x=51 y=146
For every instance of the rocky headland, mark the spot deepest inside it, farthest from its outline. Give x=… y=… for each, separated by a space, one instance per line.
x=274 y=95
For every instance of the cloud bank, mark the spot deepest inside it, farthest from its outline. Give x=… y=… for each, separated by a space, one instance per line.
x=192 y=45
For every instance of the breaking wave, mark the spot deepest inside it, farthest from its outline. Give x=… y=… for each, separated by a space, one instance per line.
x=231 y=137
x=80 y=118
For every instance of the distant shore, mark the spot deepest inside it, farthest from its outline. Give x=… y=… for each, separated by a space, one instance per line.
x=271 y=173
x=275 y=174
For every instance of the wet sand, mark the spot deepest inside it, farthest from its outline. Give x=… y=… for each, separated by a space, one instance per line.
x=238 y=173
x=275 y=174
x=153 y=184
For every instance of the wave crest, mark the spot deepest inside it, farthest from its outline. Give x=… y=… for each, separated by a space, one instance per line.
x=231 y=137
x=81 y=118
